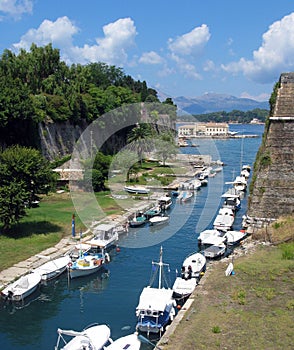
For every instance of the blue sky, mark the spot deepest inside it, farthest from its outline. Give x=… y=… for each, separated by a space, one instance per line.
x=181 y=48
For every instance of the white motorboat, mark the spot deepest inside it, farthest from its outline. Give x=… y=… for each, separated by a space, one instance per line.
x=52 y=268
x=129 y=342
x=209 y=236
x=105 y=236
x=246 y=169
x=157 y=220
x=193 y=266
x=214 y=251
x=235 y=237
x=185 y=196
x=224 y=219
x=240 y=183
x=232 y=201
x=137 y=189
x=182 y=288
x=87 y=264
x=22 y=287
x=156 y=307
x=94 y=337
x=164 y=202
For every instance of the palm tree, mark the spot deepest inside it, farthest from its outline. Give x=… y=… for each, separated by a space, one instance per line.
x=140 y=139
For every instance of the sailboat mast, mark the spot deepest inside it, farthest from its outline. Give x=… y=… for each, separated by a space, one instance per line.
x=160 y=268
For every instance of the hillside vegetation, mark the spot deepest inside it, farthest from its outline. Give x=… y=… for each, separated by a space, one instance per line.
x=37 y=86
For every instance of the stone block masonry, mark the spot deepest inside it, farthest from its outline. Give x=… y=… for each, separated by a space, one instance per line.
x=273 y=192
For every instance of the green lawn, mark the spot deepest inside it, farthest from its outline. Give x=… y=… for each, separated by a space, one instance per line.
x=44 y=226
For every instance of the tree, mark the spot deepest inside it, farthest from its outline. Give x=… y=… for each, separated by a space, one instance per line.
x=140 y=139
x=24 y=174
x=165 y=147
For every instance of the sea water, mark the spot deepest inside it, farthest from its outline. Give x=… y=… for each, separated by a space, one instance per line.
x=111 y=296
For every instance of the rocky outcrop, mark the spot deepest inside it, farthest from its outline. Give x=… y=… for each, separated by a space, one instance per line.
x=58 y=139
x=273 y=179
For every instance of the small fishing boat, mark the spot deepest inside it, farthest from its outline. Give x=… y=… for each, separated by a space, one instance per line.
x=156 y=307
x=232 y=201
x=137 y=189
x=129 y=342
x=152 y=212
x=210 y=237
x=105 y=236
x=183 y=288
x=94 y=337
x=87 y=264
x=164 y=202
x=235 y=237
x=193 y=267
x=53 y=268
x=240 y=183
x=22 y=287
x=138 y=220
x=156 y=220
x=224 y=219
x=214 y=251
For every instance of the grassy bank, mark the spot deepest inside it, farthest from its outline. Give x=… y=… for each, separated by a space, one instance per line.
x=44 y=226
x=252 y=309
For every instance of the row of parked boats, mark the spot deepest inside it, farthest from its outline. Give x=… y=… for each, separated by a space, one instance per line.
x=157 y=305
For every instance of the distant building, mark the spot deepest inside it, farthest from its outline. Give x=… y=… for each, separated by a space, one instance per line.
x=203 y=129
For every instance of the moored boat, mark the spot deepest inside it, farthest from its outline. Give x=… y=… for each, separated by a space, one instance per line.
x=214 y=251
x=53 y=268
x=193 y=267
x=157 y=220
x=94 y=337
x=224 y=219
x=105 y=236
x=164 y=202
x=138 y=220
x=128 y=342
x=87 y=264
x=156 y=307
x=137 y=189
x=22 y=287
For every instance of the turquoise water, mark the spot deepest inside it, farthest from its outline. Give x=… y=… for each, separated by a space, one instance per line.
x=77 y=303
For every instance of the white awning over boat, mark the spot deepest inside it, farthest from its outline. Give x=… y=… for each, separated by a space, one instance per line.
x=155 y=299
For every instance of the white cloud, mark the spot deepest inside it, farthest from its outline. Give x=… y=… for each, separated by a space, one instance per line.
x=274 y=56
x=59 y=33
x=209 y=66
x=151 y=58
x=191 y=43
x=111 y=49
x=16 y=8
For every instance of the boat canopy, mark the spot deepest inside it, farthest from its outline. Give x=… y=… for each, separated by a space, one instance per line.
x=155 y=299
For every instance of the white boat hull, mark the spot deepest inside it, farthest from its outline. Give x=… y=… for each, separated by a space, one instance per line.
x=22 y=288
x=53 y=268
x=129 y=342
x=157 y=220
x=214 y=251
x=94 y=337
x=85 y=266
x=183 y=288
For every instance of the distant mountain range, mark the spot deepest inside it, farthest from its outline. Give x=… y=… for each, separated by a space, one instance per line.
x=211 y=102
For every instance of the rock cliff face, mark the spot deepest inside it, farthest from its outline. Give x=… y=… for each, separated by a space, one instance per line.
x=273 y=179
x=58 y=139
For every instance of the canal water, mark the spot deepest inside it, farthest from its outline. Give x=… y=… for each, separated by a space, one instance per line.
x=111 y=296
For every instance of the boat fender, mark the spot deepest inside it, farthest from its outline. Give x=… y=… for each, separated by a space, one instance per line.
x=107 y=257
